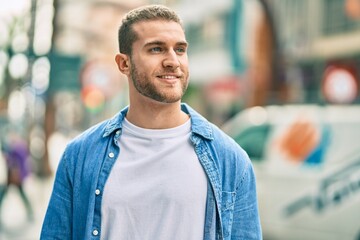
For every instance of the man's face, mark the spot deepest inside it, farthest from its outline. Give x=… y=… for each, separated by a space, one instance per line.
x=159 y=62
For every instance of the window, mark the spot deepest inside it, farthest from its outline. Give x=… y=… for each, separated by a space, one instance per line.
x=253 y=141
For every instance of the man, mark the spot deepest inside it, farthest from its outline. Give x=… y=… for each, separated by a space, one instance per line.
x=157 y=170
x=16 y=153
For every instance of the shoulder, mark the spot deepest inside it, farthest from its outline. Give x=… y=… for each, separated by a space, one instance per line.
x=91 y=134
x=226 y=146
x=233 y=163
x=220 y=143
x=99 y=132
x=89 y=140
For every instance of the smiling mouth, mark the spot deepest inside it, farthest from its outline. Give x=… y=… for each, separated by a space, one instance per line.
x=169 y=79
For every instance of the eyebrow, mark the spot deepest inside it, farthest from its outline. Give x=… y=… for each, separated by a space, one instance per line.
x=160 y=43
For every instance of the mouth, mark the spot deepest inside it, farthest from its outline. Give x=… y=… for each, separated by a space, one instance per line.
x=169 y=78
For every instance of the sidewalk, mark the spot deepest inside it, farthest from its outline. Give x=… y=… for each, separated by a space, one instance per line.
x=14 y=224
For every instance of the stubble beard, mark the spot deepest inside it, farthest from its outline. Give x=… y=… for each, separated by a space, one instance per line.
x=145 y=87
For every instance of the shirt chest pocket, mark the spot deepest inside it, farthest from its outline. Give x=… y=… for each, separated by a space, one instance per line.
x=227 y=211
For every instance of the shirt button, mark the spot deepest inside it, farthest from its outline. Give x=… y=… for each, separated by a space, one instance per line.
x=111 y=154
x=97 y=191
x=95 y=232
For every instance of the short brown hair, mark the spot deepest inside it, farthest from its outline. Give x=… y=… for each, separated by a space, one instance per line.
x=126 y=34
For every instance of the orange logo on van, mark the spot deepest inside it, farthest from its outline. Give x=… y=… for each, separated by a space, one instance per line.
x=299 y=140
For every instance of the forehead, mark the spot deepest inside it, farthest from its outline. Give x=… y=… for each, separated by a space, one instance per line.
x=159 y=30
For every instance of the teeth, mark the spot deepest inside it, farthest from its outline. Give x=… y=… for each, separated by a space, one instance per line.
x=168 y=77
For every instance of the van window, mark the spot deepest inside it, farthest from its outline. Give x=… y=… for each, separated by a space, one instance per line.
x=253 y=141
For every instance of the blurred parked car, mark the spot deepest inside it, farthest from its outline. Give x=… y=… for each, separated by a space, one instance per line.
x=307 y=162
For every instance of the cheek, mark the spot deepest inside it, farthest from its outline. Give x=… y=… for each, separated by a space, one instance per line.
x=149 y=66
x=143 y=69
x=184 y=63
x=185 y=68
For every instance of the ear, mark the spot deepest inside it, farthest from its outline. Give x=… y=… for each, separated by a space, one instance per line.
x=123 y=63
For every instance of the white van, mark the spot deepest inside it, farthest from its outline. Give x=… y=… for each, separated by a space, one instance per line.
x=307 y=162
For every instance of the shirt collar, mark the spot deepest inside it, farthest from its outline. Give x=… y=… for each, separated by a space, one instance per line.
x=199 y=125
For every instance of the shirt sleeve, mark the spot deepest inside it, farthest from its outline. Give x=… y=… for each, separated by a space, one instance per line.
x=246 y=223
x=58 y=218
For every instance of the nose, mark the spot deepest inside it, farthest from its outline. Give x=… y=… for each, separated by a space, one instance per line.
x=171 y=60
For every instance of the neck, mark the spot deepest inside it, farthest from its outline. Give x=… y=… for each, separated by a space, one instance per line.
x=156 y=115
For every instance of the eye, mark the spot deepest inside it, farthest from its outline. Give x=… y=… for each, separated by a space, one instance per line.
x=156 y=49
x=181 y=50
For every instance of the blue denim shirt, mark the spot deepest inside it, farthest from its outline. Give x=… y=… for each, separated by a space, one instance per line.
x=74 y=210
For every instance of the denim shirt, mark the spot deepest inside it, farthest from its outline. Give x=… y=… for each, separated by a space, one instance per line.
x=74 y=210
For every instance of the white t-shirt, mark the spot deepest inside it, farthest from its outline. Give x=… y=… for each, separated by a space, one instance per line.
x=157 y=187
